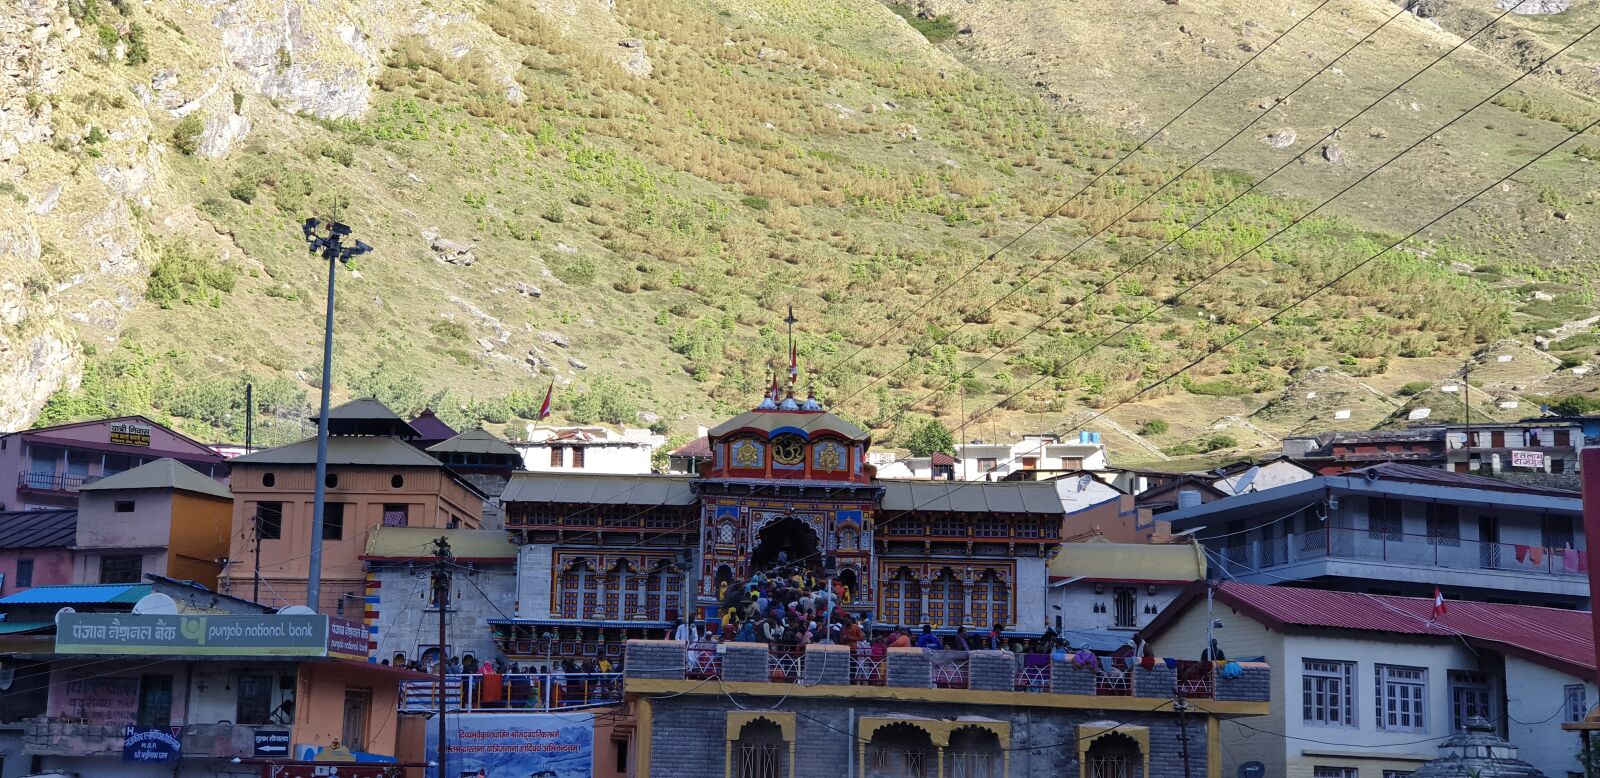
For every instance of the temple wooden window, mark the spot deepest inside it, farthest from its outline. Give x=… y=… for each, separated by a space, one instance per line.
x=902 y=598
x=991 y=526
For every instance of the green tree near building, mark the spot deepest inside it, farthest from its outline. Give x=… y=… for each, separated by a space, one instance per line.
x=930 y=437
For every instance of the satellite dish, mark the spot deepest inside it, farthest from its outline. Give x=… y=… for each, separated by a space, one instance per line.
x=296 y=610
x=156 y=604
x=64 y=611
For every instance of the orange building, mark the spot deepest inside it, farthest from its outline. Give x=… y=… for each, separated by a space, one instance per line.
x=162 y=517
x=376 y=478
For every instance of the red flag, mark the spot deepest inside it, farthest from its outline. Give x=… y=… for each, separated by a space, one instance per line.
x=1438 y=603
x=544 y=410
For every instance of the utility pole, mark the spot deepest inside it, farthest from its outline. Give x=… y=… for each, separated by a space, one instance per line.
x=331 y=246
x=249 y=418
x=1181 y=705
x=255 y=589
x=441 y=598
x=1466 y=408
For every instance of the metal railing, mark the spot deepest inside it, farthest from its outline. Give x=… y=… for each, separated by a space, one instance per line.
x=869 y=666
x=1113 y=681
x=784 y=663
x=1196 y=679
x=704 y=661
x=513 y=692
x=45 y=481
x=1033 y=673
x=1401 y=548
x=950 y=669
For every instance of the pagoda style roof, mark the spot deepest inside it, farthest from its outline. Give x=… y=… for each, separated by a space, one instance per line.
x=476 y=441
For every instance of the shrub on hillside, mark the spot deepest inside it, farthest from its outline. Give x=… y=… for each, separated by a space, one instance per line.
x=186 y=135
x=1153 y=427
x=182 y=273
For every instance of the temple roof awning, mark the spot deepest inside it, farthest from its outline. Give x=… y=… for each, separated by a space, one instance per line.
x=648 y=489
x=1036 y=497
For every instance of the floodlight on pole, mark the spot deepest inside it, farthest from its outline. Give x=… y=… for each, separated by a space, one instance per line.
x=327 y=239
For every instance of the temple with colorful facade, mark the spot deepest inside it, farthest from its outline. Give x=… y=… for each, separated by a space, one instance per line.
x=607 y=558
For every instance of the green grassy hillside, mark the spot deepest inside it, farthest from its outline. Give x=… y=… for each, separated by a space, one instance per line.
x=644 y=192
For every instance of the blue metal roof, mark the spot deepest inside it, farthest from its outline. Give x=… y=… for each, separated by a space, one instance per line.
x=79 y=594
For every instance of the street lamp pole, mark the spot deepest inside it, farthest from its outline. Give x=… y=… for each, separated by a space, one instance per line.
x=328 y=240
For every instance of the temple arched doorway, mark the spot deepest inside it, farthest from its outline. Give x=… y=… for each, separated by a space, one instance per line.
x=786 y=541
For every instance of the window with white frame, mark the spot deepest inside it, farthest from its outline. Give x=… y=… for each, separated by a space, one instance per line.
x=1577 y=696
x=1402 y=698
x=1471 y=695
x=1321 y=771
x=1398 y=774
x=1328 y=693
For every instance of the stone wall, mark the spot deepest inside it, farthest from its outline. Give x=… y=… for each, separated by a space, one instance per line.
x=688 y=734
x=405 y=623
x=689 y=731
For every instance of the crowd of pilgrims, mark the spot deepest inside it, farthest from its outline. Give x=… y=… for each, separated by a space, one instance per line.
x=790 y=604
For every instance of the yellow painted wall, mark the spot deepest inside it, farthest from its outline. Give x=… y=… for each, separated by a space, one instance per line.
x=201 y=524
x=433 y=497
x=319 y=705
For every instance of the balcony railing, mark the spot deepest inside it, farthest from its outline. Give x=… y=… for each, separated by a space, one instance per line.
x=1400 y=548
x=514 y=692
x=952 y=670
x=45 y=481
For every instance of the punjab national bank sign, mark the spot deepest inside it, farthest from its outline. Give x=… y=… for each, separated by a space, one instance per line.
x=127 y=633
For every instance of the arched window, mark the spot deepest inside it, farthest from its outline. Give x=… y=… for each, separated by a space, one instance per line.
x=974 y=752
x=1113 y=755
x=947 y=600
x=902 y=751
x=578 y=589
x=902 y=598
x=760 y=751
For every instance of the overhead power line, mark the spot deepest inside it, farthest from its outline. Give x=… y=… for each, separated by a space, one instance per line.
x=1280 y=100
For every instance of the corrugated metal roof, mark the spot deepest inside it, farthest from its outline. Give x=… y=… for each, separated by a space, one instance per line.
x=650 y=489
x=699 y=448
x=972 y=496
x=809 y=422
x=79 y=594
x=376 y=450
x=364 y=408
x=478 y=441
x=161 y=474
x=38 y=529
x=1130 y=562
x=1550 y=636
x=417 y=543
x=1402 y=472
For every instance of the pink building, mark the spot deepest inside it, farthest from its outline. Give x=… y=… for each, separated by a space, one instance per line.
x=35 y=549
x=43 y=468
